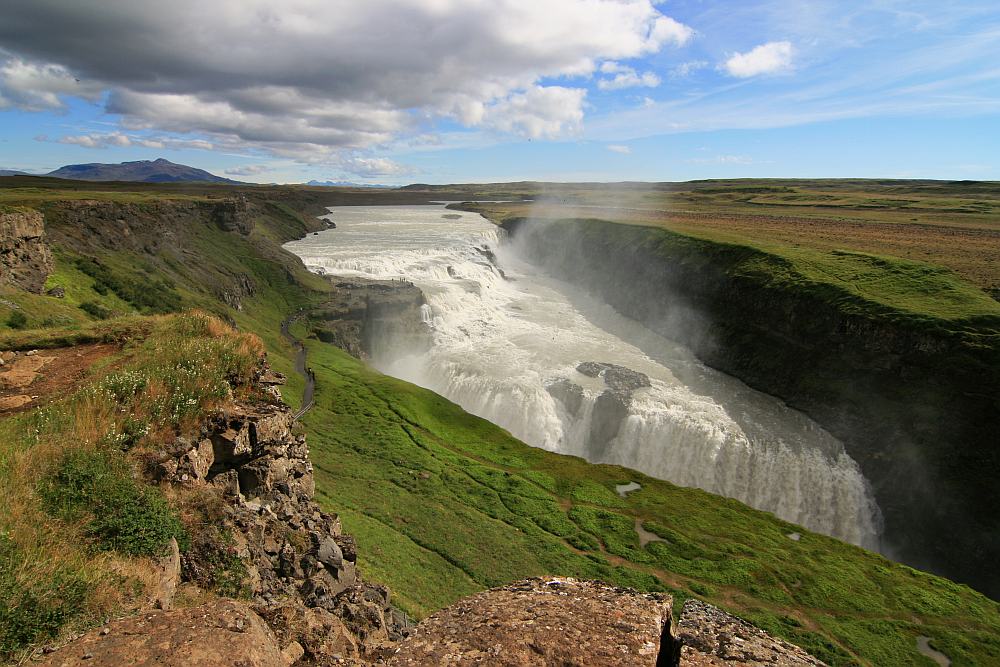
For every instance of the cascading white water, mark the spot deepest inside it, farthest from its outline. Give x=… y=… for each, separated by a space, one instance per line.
x=506 y=338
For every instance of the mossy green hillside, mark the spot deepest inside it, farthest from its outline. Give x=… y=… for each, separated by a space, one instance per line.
x=443 y=503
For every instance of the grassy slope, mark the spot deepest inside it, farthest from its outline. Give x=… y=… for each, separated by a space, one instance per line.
x=444 y=503
x=489 y=509
x=76 y=527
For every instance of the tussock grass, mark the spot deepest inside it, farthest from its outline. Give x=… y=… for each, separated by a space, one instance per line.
x=76 y=515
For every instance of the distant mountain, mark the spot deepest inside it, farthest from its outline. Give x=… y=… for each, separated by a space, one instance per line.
x=11 y=172
x=345 y=184
x=142 y=171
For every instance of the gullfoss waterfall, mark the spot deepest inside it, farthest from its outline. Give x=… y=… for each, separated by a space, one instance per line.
x=564 y=372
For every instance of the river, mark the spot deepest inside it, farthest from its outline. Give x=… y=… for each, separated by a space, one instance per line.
x=512 y=345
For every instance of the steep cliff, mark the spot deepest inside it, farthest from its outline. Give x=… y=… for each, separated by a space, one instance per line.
x=914 y=399
x=25 y=259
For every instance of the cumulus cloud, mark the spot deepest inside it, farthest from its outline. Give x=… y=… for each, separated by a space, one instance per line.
x=625 y=77
x=619 y=148
x=38 y=87
x=123 y=140
x=768 y=58
x=314 y=79
x=539 y=112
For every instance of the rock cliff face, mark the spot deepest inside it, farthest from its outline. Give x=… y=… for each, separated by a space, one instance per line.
x=25 y=260
x=914 y=405
x=142 y=227
x=372 y=319
x=296 y=565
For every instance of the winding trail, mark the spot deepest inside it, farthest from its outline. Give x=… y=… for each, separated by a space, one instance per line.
x=300 y=366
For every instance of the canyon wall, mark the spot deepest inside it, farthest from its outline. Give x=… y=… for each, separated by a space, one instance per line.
x=25 y=260
x=913 y=400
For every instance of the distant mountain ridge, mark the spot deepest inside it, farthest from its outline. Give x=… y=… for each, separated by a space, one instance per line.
x=141 y=171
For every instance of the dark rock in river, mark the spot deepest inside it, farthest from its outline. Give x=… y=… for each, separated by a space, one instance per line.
x=567 y=393
x=617 y=378
x=612 y=407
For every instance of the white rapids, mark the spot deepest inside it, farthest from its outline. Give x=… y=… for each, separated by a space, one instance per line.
x=500 y=343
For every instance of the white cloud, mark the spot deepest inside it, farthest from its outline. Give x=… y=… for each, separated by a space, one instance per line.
x=686 y=69
x=311 y=79
x=108 y=140
x=619 y=148
x=767 y=58
x=625 y=77
x=38 y=87
x=539 y=112
x=668 y=30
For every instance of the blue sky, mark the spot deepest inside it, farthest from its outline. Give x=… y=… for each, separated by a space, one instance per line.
x=458 y=91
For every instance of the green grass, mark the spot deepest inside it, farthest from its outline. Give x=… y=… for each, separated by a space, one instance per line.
x=892 y=283
x=118 y=512
x=443 y=503
x=74 y=507
x=888 y=288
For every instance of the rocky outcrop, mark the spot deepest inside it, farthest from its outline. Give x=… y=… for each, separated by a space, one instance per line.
x=88 y=224
x=25 y=259
x=561 y=621
x=223 y=633
x=240 y=287
x=550 y=621
x=373 y=319
x=709 y=637
x=274 y=543
x=233 y=215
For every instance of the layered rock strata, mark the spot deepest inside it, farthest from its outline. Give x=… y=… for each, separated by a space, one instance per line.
x=25 y=259
x=297 y=566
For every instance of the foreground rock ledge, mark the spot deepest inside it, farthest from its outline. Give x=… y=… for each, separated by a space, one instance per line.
x=709 y=636
x=549 y=621
x=217 y=634
x=561 y=621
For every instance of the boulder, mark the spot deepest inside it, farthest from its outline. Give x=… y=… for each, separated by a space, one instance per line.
x=711 y=637
x=217 y=634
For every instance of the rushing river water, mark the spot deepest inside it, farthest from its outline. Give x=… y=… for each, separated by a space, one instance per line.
x=508 y=344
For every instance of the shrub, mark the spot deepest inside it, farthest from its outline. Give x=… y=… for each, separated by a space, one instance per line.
x=145 y=294
x=17 y=320
x=95 y=310
x=120 y=513
x=35 y=611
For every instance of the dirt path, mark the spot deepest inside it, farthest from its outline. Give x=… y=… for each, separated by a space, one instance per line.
x=28 y=379
x=300 y=366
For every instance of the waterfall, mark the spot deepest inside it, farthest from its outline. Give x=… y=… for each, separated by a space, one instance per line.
x=566 y=373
